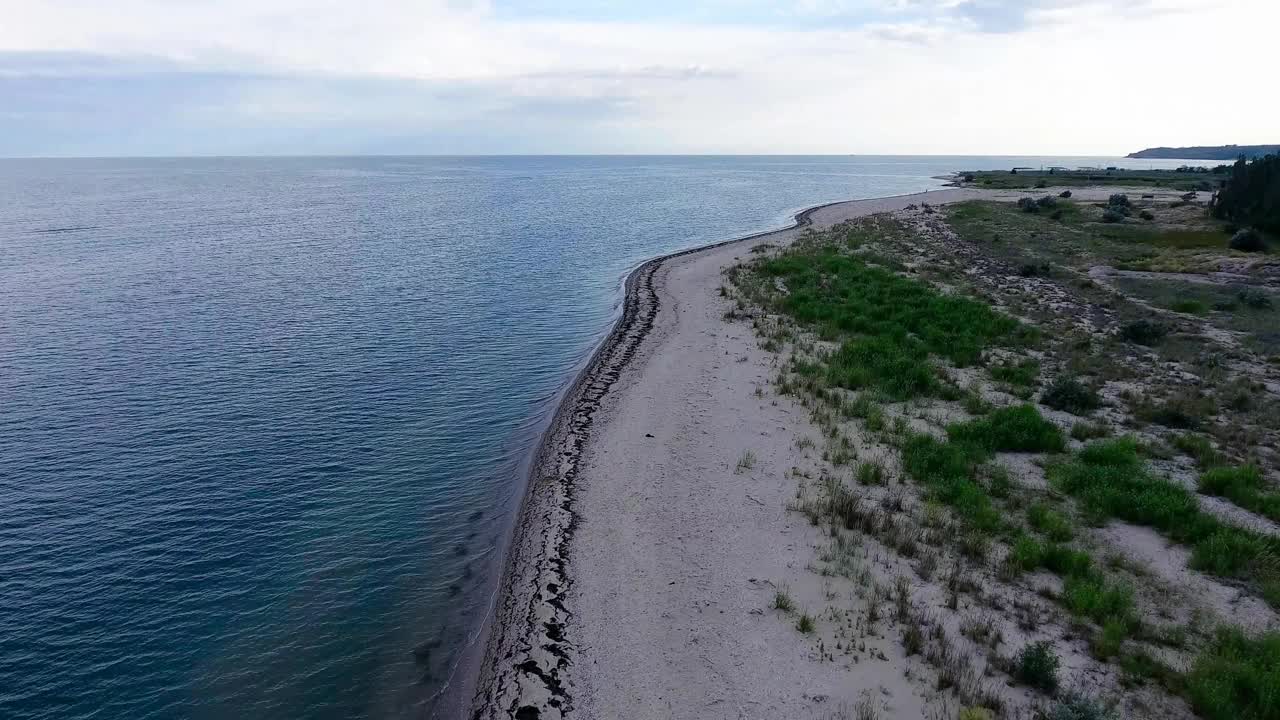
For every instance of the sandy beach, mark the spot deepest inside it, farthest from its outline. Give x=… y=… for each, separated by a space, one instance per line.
x=680 y=553
x=641 y=559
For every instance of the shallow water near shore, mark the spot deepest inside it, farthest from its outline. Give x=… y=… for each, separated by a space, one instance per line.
x=264 y=422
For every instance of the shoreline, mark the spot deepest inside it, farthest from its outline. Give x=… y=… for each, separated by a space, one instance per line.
x=525 y=644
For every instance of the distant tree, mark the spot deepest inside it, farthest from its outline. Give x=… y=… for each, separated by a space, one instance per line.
x=1251 y=194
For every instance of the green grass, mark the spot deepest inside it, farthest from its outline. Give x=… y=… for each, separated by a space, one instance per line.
x=1003 y=179
x=1237 y=678
x=805 y=623
x=1211 y=238
x=1199 y=448
x=1051 y=523
x=1089 y=431
x=948 y=470
x=1019 y=428
x=1192 y=307
x=1243 y=486
x=888 y=326
x=1110 y=480
x=1225 y=308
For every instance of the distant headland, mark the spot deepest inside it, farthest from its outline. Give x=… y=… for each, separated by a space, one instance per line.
x=1207 y=152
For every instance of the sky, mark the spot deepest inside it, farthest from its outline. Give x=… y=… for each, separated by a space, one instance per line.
x=299 y=77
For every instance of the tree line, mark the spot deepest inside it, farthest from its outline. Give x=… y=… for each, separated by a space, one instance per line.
x=1250 y=196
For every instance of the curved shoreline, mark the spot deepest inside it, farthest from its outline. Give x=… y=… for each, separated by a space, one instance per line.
x=527 y=651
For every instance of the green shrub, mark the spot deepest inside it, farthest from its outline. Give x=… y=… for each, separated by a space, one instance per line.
x=1019 y=428
x=1192 y=307
x=1111 y=215
x=1089 y=595
x=1107 y=643
x=1147 y=215
x=1027 y=553
x=1254 y=299
x=947 y=470
x=1247 y=240
x=870 y=473
x=1037 y=666
x=1186 y=410
x=1144 y=332
x=1064 y=194
x=1070 y=395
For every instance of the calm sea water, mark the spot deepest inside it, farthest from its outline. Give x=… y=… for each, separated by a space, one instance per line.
x=263 y=422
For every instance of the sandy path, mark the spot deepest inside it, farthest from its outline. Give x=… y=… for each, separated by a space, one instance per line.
x=664 y=557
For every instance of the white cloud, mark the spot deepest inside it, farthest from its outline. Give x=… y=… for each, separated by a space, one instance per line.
x=960 y=76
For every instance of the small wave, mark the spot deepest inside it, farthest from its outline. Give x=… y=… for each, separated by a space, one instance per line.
x=66 y=229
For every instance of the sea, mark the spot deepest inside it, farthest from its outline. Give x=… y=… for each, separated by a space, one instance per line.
x=265 y=422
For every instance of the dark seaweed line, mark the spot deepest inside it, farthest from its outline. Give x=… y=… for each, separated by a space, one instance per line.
x=522 y=672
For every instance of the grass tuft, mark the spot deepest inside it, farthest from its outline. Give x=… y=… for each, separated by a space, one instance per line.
x=1110 y=480
x=1020 y=428
x=1237 y=678
x=1242 y=486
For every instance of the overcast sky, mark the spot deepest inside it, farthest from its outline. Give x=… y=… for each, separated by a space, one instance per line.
x=199 y=77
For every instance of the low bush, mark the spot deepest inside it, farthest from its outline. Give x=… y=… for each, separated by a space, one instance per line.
x=1144 y=332
x=1112 y=216
x=1064 y=194
x=1247 y=240
x=1027 y=204
x=1047 y=201
x=1037 y=666
x=1118 y=200
x=1193 y=307
x=1089 y=431
x=1254 y=299
x=1070 y=395
x=1146 y=215
x=1185 y=410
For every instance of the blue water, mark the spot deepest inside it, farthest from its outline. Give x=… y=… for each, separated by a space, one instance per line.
x=263 y=422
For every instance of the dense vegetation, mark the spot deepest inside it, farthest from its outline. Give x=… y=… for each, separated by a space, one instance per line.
x=1252 y=194
x=1033 y=178
x=1206 y=152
